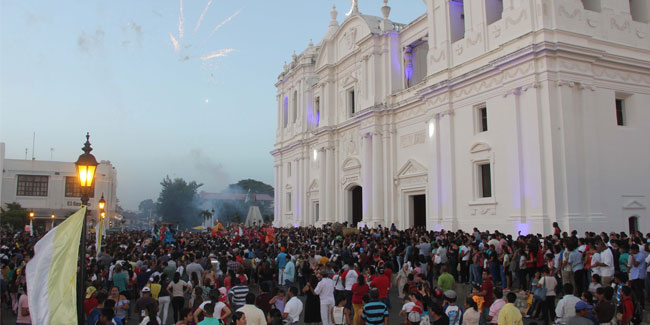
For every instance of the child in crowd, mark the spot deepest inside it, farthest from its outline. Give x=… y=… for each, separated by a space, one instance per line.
x=478 y=299
x=595 y=283
x=340 y=314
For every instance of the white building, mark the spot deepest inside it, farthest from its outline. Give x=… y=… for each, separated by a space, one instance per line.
x=52 y=187
x=497 y=114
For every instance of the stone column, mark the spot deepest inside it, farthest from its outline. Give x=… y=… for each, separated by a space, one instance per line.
x=366 y=175
x=446 y=180
x=277 y=196
x=329 y=186
x=387 y=177
x=322 y=211
x=306 y=207
x=378 y=215
x=281 y=193
x=297 y=192
x=433 y=208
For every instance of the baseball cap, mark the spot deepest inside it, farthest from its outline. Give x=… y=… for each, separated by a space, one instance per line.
x=581 y=305
x=451 y=294
x=146 y=289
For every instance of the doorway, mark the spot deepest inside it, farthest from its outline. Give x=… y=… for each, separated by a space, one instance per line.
x=419 y=210
x=633 y=224
x=356 y=201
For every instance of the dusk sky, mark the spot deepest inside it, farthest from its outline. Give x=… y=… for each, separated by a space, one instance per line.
x=205 y=111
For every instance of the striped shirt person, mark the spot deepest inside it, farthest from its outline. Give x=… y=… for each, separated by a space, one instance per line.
x=375 y=312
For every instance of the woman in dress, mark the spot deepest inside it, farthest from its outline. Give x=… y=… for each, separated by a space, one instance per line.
x=401 y=279
x=312 y=304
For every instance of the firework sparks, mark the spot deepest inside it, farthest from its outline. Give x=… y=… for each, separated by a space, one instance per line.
x=224 y=22
x=174 y=41
x=198 y=23
x=180 y=22
x=217 y=54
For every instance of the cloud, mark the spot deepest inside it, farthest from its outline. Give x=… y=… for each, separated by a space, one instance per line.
x=89 y=43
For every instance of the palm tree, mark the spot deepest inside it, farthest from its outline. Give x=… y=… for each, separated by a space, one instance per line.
x=206 y=216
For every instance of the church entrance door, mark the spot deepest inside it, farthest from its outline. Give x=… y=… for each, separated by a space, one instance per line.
x=356 y=201
x=419 y=210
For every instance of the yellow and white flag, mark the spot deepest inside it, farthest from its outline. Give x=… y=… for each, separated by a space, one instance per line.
x=99 y=235
x=52 y=273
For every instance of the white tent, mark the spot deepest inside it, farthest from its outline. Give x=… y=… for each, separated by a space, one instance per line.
x=254 y=217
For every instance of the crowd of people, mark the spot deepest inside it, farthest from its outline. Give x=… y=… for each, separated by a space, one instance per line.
x=325 y=275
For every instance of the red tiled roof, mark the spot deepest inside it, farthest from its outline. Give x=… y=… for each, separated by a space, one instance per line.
x=233 y=196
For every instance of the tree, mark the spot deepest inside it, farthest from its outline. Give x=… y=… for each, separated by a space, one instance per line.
x=147 y=206
x=14 y=215
x=250 y=184
x=146 y=210
x=205 y=215
x=176 y=202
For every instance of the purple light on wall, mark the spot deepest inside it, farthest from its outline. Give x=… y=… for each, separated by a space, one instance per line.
x=295 y=225
x=395 y=57
x=285 y=112
x=310 y=118
x=522 y=228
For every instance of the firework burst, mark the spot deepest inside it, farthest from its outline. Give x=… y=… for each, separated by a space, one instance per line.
x=194 y=46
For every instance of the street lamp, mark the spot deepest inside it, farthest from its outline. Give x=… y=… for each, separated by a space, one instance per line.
x=86 y=166
x=31 y=224
x=53 y=216
x=102 y=203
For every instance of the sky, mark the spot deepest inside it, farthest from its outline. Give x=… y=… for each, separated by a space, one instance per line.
x=203 y=109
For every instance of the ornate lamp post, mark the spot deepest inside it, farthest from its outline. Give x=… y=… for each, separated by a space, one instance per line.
x=86 y=166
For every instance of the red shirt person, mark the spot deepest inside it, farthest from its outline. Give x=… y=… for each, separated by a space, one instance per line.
x=382 y=283
x=487 y=290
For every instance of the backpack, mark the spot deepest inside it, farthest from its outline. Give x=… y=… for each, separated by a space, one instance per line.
x=415 y=315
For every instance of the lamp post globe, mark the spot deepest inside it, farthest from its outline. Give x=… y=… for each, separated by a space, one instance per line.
x=86 y=165
x=102 y=203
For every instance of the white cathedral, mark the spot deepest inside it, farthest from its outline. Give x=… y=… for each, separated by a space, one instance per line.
x=496 y=114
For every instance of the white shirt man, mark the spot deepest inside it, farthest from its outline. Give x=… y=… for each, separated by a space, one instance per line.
x=566 y=307
x=350 y=279
x=293 y=308
x=607 y=266
x=325 y=291
x=595 y=260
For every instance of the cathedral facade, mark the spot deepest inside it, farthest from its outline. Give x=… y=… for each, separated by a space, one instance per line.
x=496 y=114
